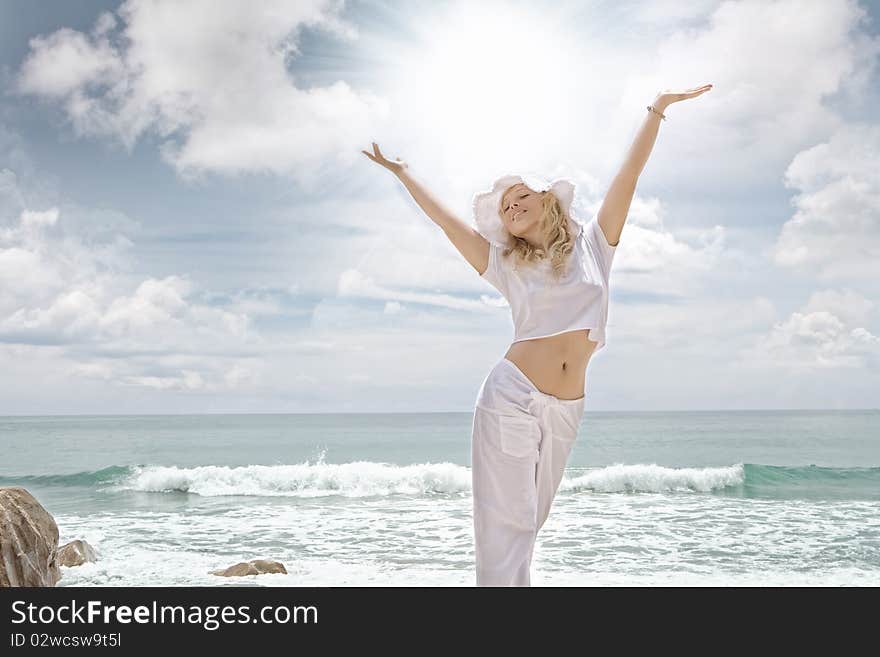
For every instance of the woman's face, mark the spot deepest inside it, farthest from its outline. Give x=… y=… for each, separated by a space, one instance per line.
x=521 y=209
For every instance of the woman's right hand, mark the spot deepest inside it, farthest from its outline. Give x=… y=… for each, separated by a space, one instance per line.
x=395 y=166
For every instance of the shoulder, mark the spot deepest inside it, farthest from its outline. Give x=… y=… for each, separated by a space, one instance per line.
x=598 y=245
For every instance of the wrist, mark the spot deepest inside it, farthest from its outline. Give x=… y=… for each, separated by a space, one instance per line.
x=659 y=104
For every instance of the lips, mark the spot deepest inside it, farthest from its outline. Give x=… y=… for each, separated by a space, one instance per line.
x=517 y=213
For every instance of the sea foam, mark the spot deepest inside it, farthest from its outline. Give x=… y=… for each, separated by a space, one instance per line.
x=367 y=478
x=355 y=479
x=655 y=478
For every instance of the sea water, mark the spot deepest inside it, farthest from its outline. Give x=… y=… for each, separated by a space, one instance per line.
x=742 y=498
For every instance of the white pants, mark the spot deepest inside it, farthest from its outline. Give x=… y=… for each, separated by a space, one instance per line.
x=520 y=443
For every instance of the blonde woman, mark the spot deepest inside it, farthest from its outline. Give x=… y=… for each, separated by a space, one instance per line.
x=554 y=271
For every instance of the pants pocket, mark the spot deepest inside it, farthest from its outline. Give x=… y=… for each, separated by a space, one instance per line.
x=564 y=426
x=519 y=436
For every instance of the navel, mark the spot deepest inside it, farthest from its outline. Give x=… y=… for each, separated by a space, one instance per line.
x=563 y=364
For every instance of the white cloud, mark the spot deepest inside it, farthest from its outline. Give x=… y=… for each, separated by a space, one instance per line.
x=651 y=259
x=826 y=333
x=60 y=292
x=188 y=380
x=773 y=64
x=851 y=307
x=209 y=77
x=37 y=219
x=708 y=325
x=353 y=283
x=40 y=260
x=242 y=375
x=835 y=231
x=67 y=62
x=255 y=302
x=672 y=12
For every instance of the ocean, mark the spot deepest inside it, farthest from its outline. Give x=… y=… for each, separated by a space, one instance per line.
x=734 y=498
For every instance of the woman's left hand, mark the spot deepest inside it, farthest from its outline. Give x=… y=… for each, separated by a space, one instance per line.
x=666 y=97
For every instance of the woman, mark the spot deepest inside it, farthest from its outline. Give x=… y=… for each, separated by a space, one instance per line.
x=554 y=270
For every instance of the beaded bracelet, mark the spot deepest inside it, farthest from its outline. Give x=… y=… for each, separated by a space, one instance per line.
x=662 y=116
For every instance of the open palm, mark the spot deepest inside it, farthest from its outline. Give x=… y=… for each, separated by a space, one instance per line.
x=669 y=96
x=395 y=166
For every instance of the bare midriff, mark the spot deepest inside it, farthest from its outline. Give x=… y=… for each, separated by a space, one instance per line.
x=556 y=364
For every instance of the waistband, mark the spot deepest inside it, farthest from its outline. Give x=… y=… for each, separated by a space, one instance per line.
x=541 y=398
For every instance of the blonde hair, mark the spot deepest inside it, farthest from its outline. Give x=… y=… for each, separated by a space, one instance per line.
x=556 y=236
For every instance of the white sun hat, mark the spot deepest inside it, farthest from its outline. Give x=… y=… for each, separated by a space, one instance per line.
x=487 y=210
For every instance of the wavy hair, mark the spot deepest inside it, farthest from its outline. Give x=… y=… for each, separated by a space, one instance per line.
x=556 y=236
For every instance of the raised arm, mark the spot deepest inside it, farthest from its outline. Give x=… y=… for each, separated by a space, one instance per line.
x=615 y=206
x=468 y=241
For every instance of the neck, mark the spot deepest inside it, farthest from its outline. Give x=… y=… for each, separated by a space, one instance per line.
x=533 y=237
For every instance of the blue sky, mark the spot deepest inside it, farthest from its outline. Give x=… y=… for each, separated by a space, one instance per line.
x=187 y=224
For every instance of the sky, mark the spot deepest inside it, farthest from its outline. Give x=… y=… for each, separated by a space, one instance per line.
x=188 y=225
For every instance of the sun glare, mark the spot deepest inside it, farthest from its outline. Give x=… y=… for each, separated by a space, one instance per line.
x=490 y=76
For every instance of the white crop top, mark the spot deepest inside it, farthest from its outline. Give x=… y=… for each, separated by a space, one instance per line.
x=541 y=306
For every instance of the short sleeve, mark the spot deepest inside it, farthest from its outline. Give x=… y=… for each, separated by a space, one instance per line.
x=599 y=245
x=494 y=273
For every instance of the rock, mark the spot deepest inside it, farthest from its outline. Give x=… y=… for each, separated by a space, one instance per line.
x=76 y=553
x=28 y=540
x=254 y=567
